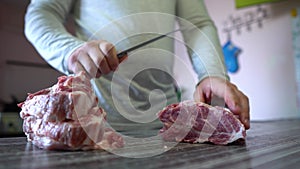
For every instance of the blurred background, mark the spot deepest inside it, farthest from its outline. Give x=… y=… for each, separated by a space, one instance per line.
x=267 y=37
x=263 y=58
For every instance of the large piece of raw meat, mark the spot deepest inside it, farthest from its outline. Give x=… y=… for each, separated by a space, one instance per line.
x=66 y=116
x=197 y=122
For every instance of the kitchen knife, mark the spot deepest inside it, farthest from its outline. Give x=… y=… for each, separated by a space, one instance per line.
x=123 y=53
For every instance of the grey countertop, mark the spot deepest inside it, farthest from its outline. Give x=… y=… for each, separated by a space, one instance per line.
x=274 y=144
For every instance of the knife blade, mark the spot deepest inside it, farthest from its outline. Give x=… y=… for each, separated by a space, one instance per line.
x=124 y=52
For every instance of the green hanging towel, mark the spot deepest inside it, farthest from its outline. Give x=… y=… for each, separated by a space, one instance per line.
x=245 y=3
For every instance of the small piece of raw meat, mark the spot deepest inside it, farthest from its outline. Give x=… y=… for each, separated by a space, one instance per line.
x=197 y=122
x=66 y=116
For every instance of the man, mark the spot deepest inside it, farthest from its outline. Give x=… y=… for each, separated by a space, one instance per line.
x=142 y=85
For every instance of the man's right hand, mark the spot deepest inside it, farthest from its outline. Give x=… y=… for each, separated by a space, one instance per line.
x=94 y=57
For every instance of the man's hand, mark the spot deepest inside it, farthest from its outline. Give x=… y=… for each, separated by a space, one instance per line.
x=234 y=99
x=94 y=57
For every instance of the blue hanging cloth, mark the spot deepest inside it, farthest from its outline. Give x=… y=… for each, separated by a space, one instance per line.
x=231 y=53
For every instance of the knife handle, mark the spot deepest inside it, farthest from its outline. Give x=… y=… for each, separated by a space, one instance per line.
x=122 y=56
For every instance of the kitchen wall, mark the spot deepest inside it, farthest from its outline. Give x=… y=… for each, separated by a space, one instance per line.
x=18 y=80
x=267 y=65
x=266 y=71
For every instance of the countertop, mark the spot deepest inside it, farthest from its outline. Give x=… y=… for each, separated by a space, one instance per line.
x=273 y=144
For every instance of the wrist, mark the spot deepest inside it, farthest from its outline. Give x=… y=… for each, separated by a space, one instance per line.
x=205 y=77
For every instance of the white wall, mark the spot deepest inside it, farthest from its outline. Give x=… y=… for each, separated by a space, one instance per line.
x=267 y=70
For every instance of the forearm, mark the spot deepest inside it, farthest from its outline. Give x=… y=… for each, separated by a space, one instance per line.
x=45 y=30
x=202 y=42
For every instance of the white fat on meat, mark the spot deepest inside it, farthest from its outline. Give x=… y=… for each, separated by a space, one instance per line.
x=66 y=116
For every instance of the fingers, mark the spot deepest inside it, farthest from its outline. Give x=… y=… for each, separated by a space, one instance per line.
x=201 y=96
x=98 y=61
x=244 y=110
x=111 y=55
x=94 y=57
x=88 y=64
x=198 y=96
x=78 y=67
x=237 y=102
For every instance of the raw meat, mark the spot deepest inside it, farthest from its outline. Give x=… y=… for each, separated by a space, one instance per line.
x=66 y=116
x=197 y=122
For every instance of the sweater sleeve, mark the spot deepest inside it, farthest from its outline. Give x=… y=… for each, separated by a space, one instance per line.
x=201 y=41
x=44 y=28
